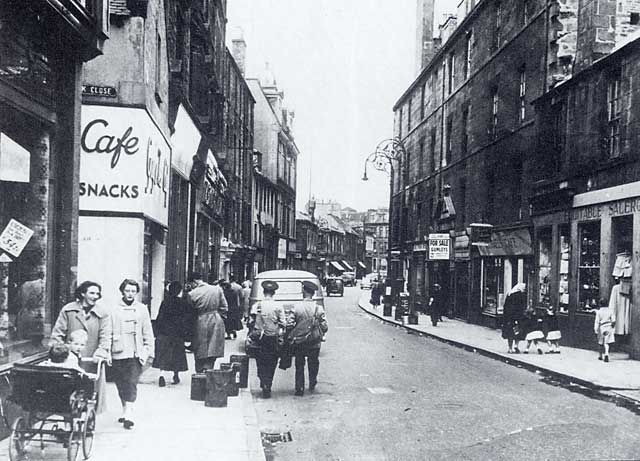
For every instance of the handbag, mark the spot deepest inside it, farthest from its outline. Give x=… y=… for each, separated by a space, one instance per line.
x=625 y=287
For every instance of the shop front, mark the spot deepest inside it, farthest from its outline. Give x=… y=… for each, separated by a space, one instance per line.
x=501 y=263
x=590 y=254
x=207 y=223
x=461 y=279
x=439 y=268
x=123 y=199
x=418 y=287
x=185 y=141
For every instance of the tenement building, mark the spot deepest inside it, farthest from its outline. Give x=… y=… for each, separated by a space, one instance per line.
x=516 y=161
x=459 y=214
x=586 y=204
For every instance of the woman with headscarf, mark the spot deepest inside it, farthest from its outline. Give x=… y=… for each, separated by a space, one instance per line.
x=515 y=306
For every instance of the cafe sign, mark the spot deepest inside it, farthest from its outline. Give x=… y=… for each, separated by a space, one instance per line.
x=439 y=245
x=125 y=162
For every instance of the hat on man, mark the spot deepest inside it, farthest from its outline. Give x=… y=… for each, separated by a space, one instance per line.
x=308 y=285
x=269 y=285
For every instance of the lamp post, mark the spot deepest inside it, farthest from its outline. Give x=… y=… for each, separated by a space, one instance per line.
x=388 y=152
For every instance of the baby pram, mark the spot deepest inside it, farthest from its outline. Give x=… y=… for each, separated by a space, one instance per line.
x=59 y=406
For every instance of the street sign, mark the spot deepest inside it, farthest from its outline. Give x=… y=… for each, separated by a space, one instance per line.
x=98 y=90
x=14 y=238
x=439 y=247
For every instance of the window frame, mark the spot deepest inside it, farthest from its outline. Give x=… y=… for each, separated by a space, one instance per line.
x=614 y=113
x=522 y=95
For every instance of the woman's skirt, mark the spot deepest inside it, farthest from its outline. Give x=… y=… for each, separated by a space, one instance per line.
x=233 y=322
x=606 y=336
x=554 y=335
x=170 y=354
x=534 y=335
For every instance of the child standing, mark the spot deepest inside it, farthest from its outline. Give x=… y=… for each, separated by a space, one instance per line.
x=553 y=331
x=76 y=342
x=534 y=325
x=603 y=326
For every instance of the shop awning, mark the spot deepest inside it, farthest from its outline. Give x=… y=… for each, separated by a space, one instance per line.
x=508 y=243
x=337 y=266
x=347 y=265
x=185 y=140
x=361 y=264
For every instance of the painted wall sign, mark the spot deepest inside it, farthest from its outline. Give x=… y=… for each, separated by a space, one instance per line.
x=439 y=247
x=14 y=238
x=101 y=91
x=618 y=208
x=125 y=162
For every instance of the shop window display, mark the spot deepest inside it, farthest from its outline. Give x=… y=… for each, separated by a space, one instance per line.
x=589 y=266
x=492 y=275
x=563 y=271
x=23 y=192
x=544 y=268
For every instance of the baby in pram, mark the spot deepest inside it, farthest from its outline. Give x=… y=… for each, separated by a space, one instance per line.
x=68 y=355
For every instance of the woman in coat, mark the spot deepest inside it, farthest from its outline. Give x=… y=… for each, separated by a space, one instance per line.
x=210 y=305
x=172 y=330
x=85 y=313
x=435 y=305
x=233 y=322
x=131 y=348
x=512 y=316
x=376 y=291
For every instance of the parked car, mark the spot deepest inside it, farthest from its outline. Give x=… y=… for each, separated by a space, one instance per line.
x=349 y=279
x=335 y=285
x=289 y=287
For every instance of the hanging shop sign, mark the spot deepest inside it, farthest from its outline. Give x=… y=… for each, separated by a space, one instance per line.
x=439 y=247
x=125 y=163
x=14 y=238
x=282 y=249
x=417 y=247
x=480 y=233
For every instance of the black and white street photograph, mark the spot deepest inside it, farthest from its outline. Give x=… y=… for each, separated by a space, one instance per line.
x=320 y=230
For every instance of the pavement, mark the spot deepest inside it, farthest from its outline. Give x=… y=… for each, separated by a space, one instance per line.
x=619 y=378
x=169 y=426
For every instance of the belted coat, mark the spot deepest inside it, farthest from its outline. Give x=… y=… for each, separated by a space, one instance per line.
x=210 y=306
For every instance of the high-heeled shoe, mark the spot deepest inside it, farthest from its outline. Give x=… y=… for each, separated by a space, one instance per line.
x=161 y=381
x=176 y=379
x=128 y=424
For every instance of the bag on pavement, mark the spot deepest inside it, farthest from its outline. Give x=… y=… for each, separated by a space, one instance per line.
x=307 y=331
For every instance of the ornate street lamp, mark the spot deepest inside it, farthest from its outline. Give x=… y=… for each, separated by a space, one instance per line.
x=387 y=153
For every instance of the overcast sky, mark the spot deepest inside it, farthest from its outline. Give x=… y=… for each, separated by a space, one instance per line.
x=342 y=65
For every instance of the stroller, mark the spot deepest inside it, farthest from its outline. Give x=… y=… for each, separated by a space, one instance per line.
x=60 y=407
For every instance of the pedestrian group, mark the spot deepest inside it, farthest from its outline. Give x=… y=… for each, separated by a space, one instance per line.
x=297 y=334
x=122 y=336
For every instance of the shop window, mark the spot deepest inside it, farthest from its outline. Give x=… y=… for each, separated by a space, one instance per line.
x=544 y=267
x=563 y=271
x=492 y=271
x=589 y=266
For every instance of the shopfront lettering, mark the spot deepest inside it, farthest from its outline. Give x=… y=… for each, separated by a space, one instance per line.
x=110 y=144
x=618 y=208
x=157 y=171
x=109 y=190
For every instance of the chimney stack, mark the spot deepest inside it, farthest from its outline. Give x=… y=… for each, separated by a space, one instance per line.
x=425 y=49
x=239 y=48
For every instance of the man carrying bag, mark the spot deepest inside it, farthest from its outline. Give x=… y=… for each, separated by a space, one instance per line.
x=307 y=325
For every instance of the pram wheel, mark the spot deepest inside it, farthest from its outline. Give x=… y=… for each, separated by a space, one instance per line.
x=75 y=438
x=18 y=440
x=87 y=433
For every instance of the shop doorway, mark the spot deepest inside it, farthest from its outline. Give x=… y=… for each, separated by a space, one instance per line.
x=461 y=305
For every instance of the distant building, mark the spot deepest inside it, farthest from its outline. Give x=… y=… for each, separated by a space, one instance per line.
x=274 y=141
